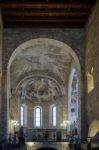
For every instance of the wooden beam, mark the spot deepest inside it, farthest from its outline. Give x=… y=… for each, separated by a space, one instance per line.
x=42 y=14
x=44 y=24
x=24 y=5
x=44 y=20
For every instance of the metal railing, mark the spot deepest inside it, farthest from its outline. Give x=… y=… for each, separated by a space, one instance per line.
x=46 y=135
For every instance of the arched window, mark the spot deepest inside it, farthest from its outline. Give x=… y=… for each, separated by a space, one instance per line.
x=54 y=115
x=38 y=117
x=90 y=80
x=23 y=115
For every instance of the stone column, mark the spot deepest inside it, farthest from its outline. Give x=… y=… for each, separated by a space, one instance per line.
x=45 y=116
x=84 y=125
x=79 y=105
x=1 y=28
x=19 y=106
x=0 y=61
x=4 y=105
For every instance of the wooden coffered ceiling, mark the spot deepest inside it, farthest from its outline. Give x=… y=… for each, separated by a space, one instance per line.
x=46 y=13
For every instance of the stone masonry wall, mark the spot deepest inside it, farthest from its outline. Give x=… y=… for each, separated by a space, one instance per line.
x=13 y=37
x=92 y=61
x=62 y=110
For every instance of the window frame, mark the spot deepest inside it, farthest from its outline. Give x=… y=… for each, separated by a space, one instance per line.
x=23 y=115
x=54 y=116
x=40 y=117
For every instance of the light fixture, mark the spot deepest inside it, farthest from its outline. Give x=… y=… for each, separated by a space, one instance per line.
x=14 y=123
x=29 y=145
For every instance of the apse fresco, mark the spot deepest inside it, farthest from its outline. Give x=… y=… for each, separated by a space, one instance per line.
x=38 y=88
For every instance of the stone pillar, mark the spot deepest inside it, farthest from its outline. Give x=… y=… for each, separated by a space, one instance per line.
x=19 y=106
x=4 y=105
x=45 y=116
x=0 y=60
x=79 y=105
x=0 y=73
x=84 y=125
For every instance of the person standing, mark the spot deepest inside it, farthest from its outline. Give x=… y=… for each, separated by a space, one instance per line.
x=21 y=137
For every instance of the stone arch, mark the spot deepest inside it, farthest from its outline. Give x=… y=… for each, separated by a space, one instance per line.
x=47 y=41
x=32 y=42
x=60 y=86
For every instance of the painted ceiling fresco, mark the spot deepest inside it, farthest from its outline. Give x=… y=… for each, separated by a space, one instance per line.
x=42 y=57
x=38 y=89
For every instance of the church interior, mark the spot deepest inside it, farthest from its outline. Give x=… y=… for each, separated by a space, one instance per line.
x=49 y=72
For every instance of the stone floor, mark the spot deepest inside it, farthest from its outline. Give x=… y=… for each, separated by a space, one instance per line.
x=43 y=146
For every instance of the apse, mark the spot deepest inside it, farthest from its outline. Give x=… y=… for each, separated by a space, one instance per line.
x=39 y=71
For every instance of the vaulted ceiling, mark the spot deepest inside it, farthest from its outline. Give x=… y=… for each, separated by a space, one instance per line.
x=42 y=59
x=46 y=13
